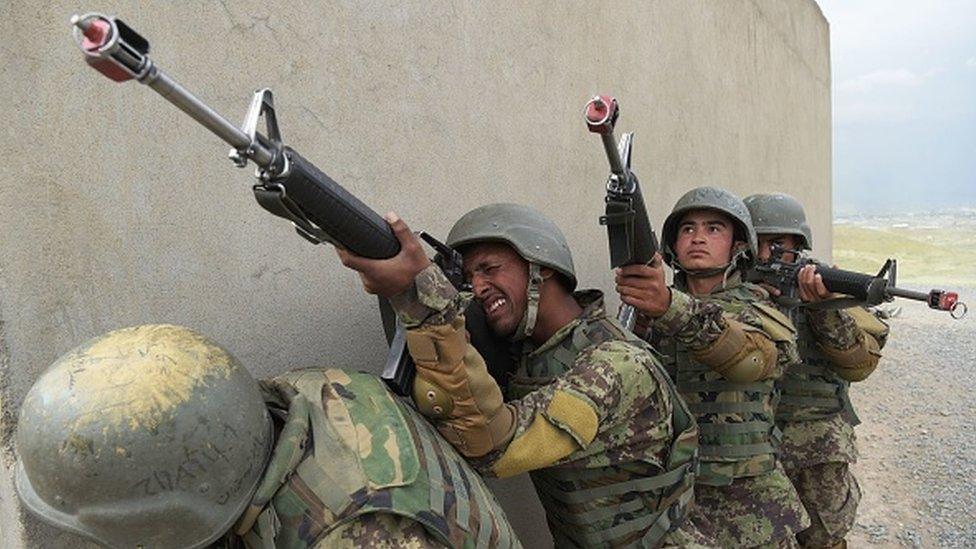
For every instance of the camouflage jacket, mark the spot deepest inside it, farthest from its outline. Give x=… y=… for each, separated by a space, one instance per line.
x=815 y=413
x=740 y=437
x=590 y=364
x=354 y=467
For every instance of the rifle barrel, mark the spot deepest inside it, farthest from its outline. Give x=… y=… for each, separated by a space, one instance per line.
x=613 y=155
x=172 y=91
x=908 y=294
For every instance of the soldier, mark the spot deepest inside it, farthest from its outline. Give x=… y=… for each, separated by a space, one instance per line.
x=725 y=345
x=815 y=412
x=154 y=436
x=590 y=413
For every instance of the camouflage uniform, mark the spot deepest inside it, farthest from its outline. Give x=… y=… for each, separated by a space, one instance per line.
x=817 y=419
x=354 y=467
x=742 y=488
x=630 y=474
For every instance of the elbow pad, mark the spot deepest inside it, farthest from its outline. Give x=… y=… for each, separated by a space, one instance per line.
x=454 y=388
x=870 y=324
x=740 y=354
x=856 y=363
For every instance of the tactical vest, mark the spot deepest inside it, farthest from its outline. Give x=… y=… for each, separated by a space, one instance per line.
x=349 y=448
x=811 y=390
x=580 y=503
x=737 y=434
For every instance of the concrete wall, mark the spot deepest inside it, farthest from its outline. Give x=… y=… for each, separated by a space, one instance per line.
x=119 y=210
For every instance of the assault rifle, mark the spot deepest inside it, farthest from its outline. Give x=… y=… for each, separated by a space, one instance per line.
x=629 y=231
x=289 y=186
x=858 y=288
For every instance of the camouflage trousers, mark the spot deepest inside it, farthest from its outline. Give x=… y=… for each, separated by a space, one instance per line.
x=380 y=530
x=761 y=511
x=830 y=494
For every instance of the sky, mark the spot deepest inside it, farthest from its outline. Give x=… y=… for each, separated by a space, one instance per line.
x=904 y=104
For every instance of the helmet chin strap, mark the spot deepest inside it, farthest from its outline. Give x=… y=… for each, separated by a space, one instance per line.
x=724 y=270
x=527 y=325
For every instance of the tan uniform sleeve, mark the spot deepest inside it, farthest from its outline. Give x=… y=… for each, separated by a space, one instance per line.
x=611 y=388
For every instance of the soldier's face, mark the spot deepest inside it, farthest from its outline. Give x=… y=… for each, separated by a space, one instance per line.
x=767 y=241
x=499 y=279
x=705 y=239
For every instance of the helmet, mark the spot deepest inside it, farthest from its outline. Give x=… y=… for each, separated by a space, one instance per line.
x=534 y=237
x=779 y=213
x=148 y=436
x=710 y=198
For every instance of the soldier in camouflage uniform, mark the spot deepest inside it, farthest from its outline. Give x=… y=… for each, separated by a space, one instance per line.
x=154 y=436
x=725 y=345
x=815 y=412
x=590 y=413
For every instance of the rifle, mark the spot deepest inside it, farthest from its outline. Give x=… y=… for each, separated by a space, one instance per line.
x=289 y=186
x=629 y=231
x=859 y=288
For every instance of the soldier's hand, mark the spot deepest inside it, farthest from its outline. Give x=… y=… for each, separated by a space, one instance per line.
x=644 y=287
x=773 y=290
x=393 y=276
x=810 y=285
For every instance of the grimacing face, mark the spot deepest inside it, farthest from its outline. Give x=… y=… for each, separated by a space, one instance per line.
x=705 y=240
x=499 y=279
x=766 y=242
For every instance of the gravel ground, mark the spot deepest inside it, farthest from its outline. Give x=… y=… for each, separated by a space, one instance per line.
x=918 y=449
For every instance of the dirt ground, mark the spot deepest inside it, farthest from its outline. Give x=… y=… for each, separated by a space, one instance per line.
x=917 y=469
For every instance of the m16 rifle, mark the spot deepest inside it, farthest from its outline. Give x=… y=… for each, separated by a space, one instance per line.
x=289 y=186
x=857 y=288
x=629 y=230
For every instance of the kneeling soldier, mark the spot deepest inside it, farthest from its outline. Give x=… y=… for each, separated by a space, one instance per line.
x=154 y=436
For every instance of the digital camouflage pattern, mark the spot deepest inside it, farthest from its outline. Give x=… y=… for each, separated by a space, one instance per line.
x=594 y=359
x=819 y=441
x=348 y=449
x=611 y=370
x=384 y=531
x=744 y=493
x=831 y=494
x=753 y=511
x=817 y=420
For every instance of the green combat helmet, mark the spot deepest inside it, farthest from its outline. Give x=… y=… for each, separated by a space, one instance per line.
x=534 y=237
x=778 y=213
x=711 y=198
x=150 y=436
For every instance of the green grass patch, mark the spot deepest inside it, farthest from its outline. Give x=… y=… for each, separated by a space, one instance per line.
x=926 y=256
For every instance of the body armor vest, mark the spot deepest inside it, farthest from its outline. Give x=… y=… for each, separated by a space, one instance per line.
x=349 y=448
x=811 y=390
x=737 y=434
x=581 y=503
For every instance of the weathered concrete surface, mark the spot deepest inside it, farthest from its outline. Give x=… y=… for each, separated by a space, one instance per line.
x=119 y=210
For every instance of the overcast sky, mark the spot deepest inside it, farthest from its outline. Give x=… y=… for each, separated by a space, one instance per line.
x=904 y=104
